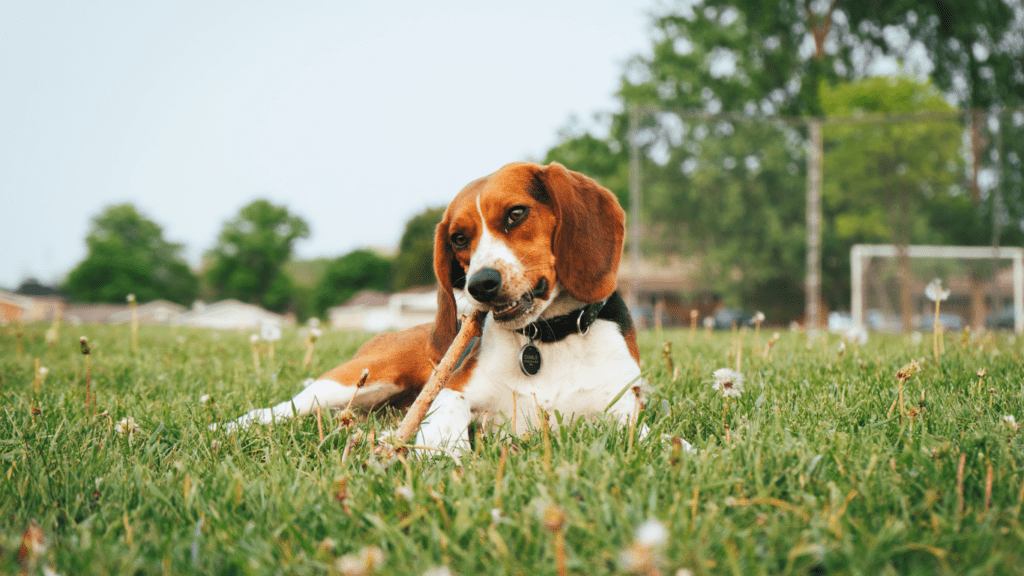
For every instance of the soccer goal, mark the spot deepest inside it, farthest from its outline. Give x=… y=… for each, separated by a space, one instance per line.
x=986 y=286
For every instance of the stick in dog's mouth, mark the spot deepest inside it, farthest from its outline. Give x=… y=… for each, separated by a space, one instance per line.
x=472 y=327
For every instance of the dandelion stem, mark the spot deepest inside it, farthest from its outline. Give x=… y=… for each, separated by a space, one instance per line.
x=935 y=333
x=960 y=490
x=319 y=424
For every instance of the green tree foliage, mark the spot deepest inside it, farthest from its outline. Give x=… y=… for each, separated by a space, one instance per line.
x=731 y=192
x=127 y=254
x=885 y=179
x=603 y=160
x=246 y=263
x=348 y=274
x=414 y=263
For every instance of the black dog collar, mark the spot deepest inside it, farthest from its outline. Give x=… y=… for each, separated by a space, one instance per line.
x=557 y=328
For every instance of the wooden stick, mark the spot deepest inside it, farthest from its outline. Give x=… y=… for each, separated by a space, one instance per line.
x=472 y=327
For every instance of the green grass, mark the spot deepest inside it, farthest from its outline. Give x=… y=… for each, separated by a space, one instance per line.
x=815 y=476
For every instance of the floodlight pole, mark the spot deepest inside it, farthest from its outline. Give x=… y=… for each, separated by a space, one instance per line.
x=814 y=178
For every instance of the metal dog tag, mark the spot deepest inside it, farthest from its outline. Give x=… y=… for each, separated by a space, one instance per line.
x=529 y=359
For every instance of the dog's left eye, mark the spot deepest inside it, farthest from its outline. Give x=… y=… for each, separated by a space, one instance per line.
x=515 y=215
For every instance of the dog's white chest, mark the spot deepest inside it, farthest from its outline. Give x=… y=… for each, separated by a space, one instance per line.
x=579 y=376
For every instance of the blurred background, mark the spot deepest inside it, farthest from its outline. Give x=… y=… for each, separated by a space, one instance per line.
x=293 y=158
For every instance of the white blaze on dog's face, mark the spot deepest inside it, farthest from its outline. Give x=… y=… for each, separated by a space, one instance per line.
x=520 y=238
x=499 y=231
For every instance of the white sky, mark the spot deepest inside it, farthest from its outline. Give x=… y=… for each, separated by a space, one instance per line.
x=356 y=115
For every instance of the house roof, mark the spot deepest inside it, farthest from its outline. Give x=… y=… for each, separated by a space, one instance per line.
x=230 y=314
x=15 y=300
x=368 y=298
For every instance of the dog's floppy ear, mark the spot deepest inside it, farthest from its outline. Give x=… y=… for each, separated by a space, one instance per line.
x=588 y=236
x=449 y=275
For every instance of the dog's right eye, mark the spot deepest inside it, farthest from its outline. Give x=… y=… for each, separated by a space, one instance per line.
x=459 y=240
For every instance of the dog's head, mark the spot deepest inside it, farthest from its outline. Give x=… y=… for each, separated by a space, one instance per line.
x=516 y=238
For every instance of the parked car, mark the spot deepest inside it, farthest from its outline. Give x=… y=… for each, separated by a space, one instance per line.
x=1001 y=319
x=948 y=321
x=839 y=322
x=726 y=317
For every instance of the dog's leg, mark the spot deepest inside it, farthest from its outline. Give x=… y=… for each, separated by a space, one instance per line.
x=446 y=427
x=324 y=393
x=396 y=364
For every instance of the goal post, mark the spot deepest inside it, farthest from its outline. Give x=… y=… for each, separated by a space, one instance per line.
x=860 y=255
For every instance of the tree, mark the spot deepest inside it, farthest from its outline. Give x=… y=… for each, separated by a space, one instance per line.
x=127 y=254
x=727 y=61
x=884 y=178
x=414 y=263
x=606 y=161
x=348 y=274
x=246 y=263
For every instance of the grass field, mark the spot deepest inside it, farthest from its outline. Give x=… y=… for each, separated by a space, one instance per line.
x=815 y=475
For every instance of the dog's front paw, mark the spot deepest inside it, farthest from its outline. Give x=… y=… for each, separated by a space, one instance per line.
x=258 y=416
x=445 y=430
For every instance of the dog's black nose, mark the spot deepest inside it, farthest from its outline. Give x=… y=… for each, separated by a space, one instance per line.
x=484 y=285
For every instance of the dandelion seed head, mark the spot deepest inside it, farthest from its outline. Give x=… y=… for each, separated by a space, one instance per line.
x=709 y=322
x=404 y=492
x=728 y=382
x=1011 y=422
x=127 y=425
x=204 y=398
x=934 y=291
x=43 y=370
x=130 y=298
x=362 y=563
x=270 y=332
x=758 y=316
x=651 y=533
x=254 y=338
x=438 y=571
x=497 y=515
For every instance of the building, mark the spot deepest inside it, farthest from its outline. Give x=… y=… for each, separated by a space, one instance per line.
x=231 y=315
x=378 y=312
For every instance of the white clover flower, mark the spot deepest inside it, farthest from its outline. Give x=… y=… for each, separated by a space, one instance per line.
x=43 y=370
x=934 y=291
x=651 y=533
x=404 y=492
x=130 y=298
x=127 y=425
x=728 y=382
x=205 y=398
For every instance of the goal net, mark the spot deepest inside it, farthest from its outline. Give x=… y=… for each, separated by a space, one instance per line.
x=985 y=285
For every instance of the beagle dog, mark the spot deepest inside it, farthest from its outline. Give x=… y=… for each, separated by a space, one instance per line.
x=537 y=247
